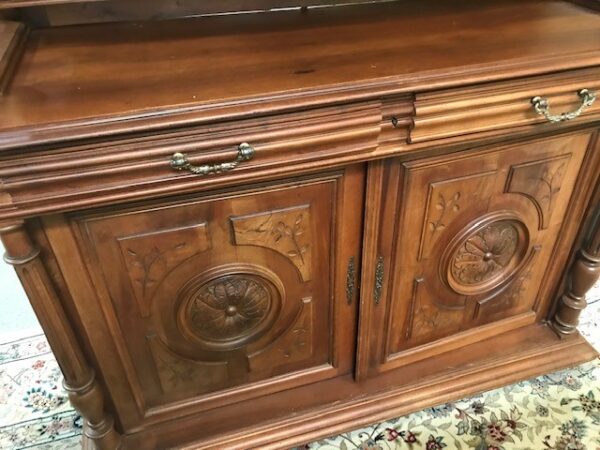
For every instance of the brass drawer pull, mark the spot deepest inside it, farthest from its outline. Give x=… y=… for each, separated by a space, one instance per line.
x=179 y=161
x=542 y=107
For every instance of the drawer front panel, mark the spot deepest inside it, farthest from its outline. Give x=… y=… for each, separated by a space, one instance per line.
x=496 y=108
x=473 y=237
x=141 y=167
x=229 y=293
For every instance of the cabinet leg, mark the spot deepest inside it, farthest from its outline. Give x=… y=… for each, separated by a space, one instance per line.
x=79 y=380
x=88 y=400
x=584 y=272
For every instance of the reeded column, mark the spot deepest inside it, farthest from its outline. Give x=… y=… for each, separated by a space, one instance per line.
x=79 y=380
x=584 y=272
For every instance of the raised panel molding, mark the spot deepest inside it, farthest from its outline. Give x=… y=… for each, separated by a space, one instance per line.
x=482 y=251
x=285 y=231
x=367 y=223
x=294 y=346
x=233 y=364
x=429 y=318
x=175 y=372
x=445 y=201
x=509 y=298
x=192 y=302
x=540 y=182
x=149 y=256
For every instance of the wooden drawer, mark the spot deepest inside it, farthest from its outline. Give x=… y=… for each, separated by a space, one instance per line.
x=472 y=239
x=139 y=167
x=221 y=298
x=502 y=106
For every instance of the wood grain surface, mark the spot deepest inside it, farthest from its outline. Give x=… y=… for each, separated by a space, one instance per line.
x=173 y=72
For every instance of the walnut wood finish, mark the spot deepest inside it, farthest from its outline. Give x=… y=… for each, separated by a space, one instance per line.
x=594 y=5
x=69 y=13
x=80 y=382
x=328 y=55
x=472 y=110
x=399 y=238
x=133 y=168
x=243 y=292
x=583 y=273
x=12 y=40
x=465 y=242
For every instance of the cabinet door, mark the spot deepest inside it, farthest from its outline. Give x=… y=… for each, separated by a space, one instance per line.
x=236 y=294
x=463 y=245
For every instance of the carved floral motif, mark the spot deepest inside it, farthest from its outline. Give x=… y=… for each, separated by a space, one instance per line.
x=148 y=264
x=293 y=346
x=297 y=343
x=293 y=233
x=175 y=372
x=541 y=183
x=229 y=307
x=447 y=201
x=428 y=318
x=485 y=254
x=149 y=256
x=513 y=296
x=285 y=231
x=549 y=184
x=443 y=206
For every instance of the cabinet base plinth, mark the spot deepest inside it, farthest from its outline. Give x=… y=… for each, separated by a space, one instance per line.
x=530 y=351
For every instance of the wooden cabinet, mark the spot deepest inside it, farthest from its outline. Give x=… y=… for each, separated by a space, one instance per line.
x=465 y=243
x=411 y=215
x=220 y=297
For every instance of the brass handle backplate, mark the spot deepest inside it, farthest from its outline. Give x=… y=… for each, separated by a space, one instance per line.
x=350 y=277
x=179 y=161
x=542 y=107
x=378 y=280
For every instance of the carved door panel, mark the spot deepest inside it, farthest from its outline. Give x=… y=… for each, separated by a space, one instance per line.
x=235 y=293
x=470 y=241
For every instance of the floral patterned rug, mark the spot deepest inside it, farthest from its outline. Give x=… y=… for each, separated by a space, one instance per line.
x=34 y=410
x=559 y=411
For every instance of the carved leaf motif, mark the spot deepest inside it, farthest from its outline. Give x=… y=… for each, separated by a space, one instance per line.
x=541 y=183
x=293 y=234
x=283 y=231
x=444 y=206
x=149 y=255
x=297 y=343
x=149 y=263
x=430 y=320
x=177 y=373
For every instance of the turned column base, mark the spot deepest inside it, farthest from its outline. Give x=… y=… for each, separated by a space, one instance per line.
x=80 y=382
x=86 y=442
x=584 y=272
x=99 y=426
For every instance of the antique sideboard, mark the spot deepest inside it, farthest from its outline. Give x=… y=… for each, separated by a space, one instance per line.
x=255 y=230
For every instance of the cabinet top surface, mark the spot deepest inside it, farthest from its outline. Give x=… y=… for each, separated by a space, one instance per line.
x=70 y=78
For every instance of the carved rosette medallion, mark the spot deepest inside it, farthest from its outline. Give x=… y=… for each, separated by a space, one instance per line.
x=228 y=311
x=227 y=307
x=485 y=255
